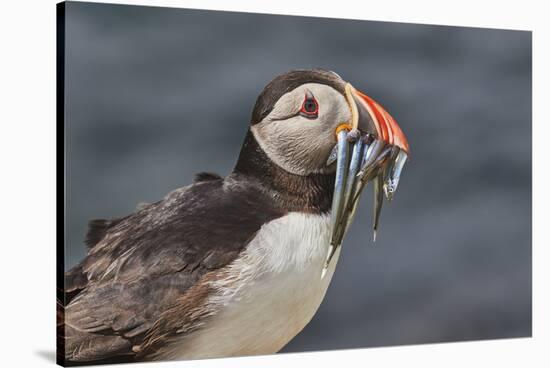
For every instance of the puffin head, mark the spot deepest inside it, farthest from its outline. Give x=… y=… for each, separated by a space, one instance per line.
x=298 y=114
x=311 y=122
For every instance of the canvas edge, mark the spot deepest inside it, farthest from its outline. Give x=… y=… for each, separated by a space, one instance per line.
x=60 y=187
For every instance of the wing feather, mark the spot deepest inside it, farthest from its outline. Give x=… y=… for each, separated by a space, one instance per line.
x=142 y=275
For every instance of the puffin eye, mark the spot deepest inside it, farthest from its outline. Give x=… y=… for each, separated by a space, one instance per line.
x=310 y=107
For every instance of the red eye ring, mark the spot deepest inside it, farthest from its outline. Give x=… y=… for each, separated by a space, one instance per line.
x=310 y=107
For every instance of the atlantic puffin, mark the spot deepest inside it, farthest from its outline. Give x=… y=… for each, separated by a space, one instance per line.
x=236 y=265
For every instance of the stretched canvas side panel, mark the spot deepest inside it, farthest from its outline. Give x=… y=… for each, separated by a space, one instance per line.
x=60 y=210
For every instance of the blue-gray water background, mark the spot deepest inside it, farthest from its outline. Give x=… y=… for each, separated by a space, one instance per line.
x=154 y=95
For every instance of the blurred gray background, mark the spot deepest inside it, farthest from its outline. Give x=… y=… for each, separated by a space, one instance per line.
x=155 y=95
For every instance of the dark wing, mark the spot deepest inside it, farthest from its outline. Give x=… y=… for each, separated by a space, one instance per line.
x=141 y=267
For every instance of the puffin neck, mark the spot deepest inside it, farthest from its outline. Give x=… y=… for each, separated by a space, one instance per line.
x=311 y=193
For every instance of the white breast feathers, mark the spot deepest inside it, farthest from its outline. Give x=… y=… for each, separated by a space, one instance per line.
x=268 y=294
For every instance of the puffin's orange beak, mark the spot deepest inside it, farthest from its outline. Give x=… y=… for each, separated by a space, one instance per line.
x=386 y=127
x=371 y=146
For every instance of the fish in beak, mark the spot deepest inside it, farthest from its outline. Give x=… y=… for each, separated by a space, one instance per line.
x=370 y=147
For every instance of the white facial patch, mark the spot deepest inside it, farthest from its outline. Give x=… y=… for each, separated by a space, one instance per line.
x=299 y=144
